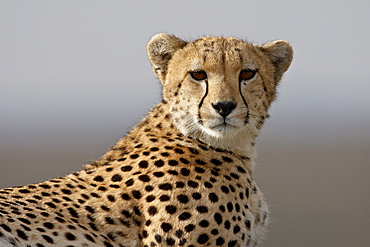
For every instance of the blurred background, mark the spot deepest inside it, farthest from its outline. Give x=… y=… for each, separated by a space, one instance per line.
x=74 y=78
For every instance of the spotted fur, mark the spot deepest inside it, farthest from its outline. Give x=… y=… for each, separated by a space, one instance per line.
x=182 y=176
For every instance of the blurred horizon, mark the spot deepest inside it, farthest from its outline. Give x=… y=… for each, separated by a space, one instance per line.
x=74 y=78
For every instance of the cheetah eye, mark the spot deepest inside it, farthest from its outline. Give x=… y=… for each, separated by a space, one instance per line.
x=198 y=75
x=247 y=74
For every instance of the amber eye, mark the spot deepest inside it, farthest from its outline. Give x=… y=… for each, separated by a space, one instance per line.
x=198 y=75
x=247 y=74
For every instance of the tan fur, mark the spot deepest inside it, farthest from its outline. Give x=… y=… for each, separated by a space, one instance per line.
x=181 y=177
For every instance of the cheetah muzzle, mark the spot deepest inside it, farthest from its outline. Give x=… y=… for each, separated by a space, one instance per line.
x=183 y=175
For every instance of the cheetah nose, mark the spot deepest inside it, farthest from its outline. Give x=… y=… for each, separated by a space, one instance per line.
x=224 y=108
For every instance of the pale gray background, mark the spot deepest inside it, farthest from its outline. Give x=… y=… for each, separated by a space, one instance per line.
x=74 y=77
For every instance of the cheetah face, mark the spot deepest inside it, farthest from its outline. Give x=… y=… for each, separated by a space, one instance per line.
x=218 y=87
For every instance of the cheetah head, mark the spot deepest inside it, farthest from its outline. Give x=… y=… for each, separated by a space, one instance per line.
x=218 y=89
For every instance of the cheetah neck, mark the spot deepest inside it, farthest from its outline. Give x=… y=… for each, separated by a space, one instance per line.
x=159 y=124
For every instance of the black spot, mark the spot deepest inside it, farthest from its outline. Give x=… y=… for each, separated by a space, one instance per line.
x=109 y=220
x=158 y=238
x=185 y=171
x=180 y=184
x=137 y=210
x=230 y=206
x=88 y=237
x=66 y=191
x=90 y=209
x=165 y=186
x=101 y=188
x=179 y=151
x=183 y=198
x=5 y=227
x=164 y=198
x=126 y=196
x=203 y=238
x=208 y=185
x=24 y=191
x=129 y=182
x=232 y=243
x=158 y=174
x=152 y=210
x=149 y=188
x=179 y=233
x=234 y=175
x=60 y=219
x=111 y=198
x=241 y=169
x=196 y=196
x=202 y=209
x=144 y=178
x=136 y=194
x=189 y=228
x=126 y=168
x=143 y=164
x=200 y=162
x=107 y=244
x=99 y=179
x=134 y=156
x=166 y=227
x=193 y=184
x=22 y=235
x=204 y=223
x=116 y=178
x=216 y=162
x=32 y=216
x=48 y=239
x=236 y=229
x=165 y=154
x=193 y=151
x=184 y=216
x=173 y=162
x=49 y=225
x=172 y=172
x=170 y=241
x=150 y=198
x=184 y=161
x=95 y=195
x=220 y=241
x=159 y=163
x=213 y=197
x=227 y=224
x=45 y=186
x=218 y=218
x=248 y=224
x=70 y=236
x=25 y=221
x=171 y=209
x=199 y=170
x=225 y=189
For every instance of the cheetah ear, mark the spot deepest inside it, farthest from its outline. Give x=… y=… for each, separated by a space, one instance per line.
x=160 y=50
x=281 y=55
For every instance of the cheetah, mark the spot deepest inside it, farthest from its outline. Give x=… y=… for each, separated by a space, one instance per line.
x=183 y=175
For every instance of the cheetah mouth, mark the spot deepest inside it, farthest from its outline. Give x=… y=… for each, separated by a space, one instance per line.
x=225 y=125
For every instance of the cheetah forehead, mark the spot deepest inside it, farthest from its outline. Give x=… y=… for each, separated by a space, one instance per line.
x=218 y=52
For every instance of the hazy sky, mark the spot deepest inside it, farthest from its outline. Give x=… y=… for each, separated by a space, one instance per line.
x=74 y=77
